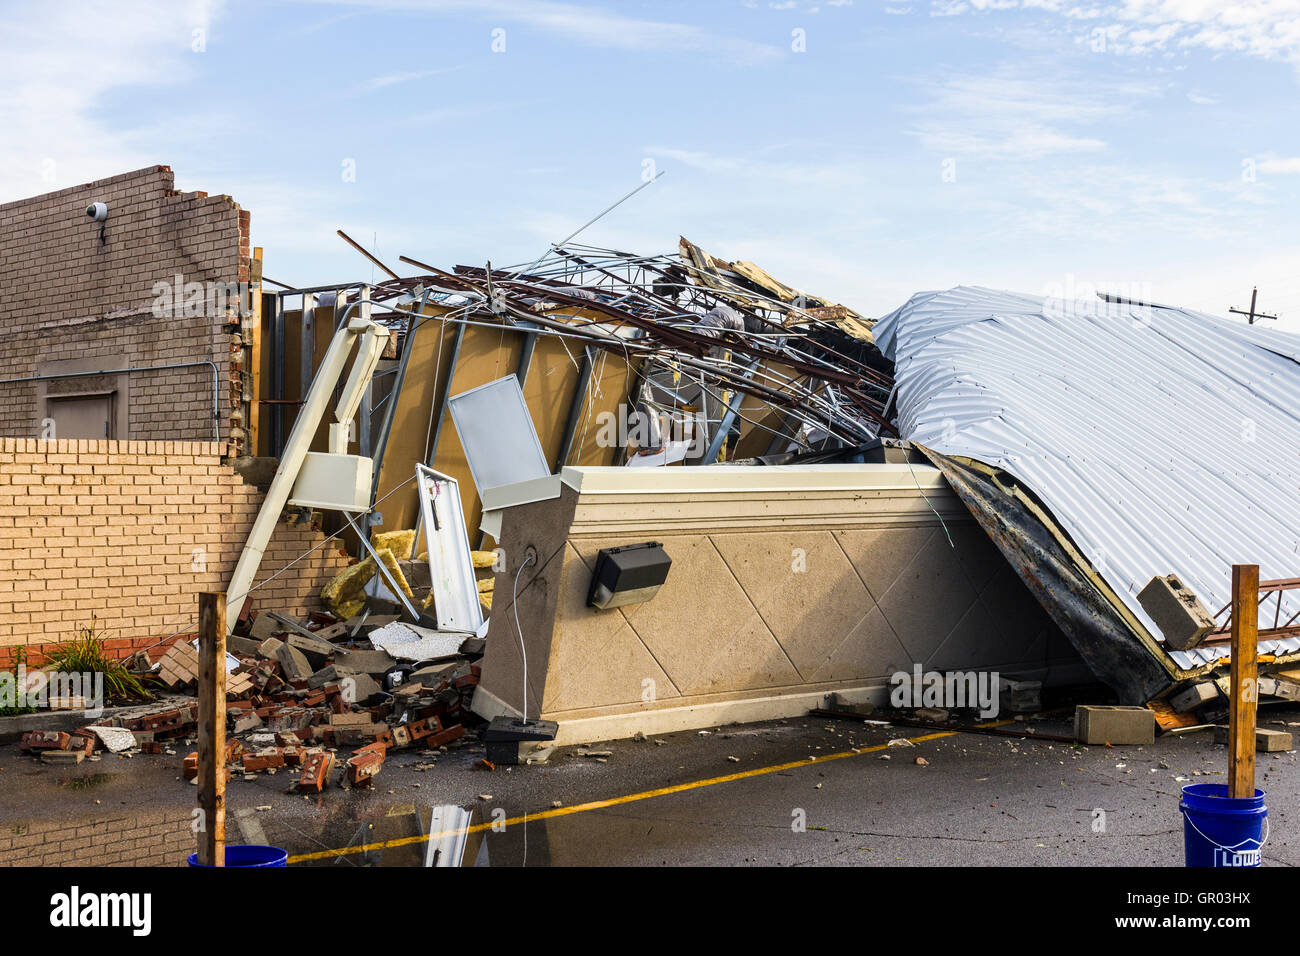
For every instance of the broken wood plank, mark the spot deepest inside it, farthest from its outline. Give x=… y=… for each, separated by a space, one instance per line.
x=1245 y=674
x=212 y=728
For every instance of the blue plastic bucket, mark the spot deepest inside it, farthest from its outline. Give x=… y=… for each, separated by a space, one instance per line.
x=1219 y=830
x=251 y=855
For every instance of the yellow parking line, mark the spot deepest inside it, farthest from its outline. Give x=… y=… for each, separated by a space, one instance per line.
x=615 y=801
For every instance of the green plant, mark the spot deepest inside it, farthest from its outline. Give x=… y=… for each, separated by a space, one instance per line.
x=20 y=658
x=85 y=654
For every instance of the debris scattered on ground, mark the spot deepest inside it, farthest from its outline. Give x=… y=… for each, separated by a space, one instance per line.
x=302 y=695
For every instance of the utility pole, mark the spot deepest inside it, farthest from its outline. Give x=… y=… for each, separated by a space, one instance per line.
x=1252 y=315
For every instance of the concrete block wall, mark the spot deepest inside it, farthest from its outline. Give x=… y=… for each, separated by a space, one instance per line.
x=131 y=532
x=70 y=295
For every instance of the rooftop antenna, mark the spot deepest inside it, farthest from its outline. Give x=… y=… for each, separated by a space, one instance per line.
x=610 y=209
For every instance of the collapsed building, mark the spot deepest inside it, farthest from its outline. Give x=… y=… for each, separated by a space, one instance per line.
x=709 y=496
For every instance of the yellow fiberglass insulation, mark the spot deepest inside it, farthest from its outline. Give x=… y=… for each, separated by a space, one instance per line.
x=345 y=595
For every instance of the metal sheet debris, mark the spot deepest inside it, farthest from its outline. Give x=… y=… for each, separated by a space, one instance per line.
x=1158 y=439
x=409 y=642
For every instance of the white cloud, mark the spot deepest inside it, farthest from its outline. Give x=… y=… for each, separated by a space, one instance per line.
x=395 y=79
x=1279 y=165
x=1018 y=114
x=1263 y=28
x=51 y=113
x=589 y=25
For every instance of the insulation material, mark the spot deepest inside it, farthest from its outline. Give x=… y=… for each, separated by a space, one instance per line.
x=345 y=595
x=398 y=542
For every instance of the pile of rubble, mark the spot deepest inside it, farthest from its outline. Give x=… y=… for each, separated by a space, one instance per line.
x=300 y=694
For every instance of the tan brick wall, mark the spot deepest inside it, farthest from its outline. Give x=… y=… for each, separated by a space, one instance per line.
x=64 y=295
x=155 y=838
x=132 y=532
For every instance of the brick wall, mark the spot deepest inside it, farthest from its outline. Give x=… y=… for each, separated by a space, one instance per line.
x=68 y=297
x=132 y=532
x=153 y=838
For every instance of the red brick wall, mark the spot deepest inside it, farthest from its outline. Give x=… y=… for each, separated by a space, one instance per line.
x=65 y=295
x=132 y=532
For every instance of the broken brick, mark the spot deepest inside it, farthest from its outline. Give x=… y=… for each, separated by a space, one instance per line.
x=365 y=763
x=445 y=737
x=45 y=740
x=315 y=772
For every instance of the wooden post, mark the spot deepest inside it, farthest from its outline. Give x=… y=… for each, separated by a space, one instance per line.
x=1244 y=680
x=212 y=728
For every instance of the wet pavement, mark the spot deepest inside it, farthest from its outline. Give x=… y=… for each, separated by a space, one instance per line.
x=804 y=791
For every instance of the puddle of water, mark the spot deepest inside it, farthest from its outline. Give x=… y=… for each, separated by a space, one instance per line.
x=411 y=835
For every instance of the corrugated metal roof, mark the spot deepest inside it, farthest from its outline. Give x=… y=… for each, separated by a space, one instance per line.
x=1161 y=439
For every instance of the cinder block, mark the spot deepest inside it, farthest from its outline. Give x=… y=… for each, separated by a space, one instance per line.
x=293 y=662
x=330 y=675
x=316 y=651
x=1195 y=696
x=365 y=662
x=242 y=646
x=1117 y=725
x=1266 y=741
x=1177 y=611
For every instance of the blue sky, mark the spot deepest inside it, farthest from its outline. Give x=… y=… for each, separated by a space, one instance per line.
x=859 y=150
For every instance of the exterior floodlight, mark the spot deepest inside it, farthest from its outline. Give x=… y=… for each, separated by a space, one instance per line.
x=628 y=575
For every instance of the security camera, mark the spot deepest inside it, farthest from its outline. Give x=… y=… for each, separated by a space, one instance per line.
x=97 y=211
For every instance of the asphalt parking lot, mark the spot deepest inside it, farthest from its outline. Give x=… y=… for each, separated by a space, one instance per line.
x=799 y=792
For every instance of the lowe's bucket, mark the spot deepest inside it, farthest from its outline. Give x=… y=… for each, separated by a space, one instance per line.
x=251 y=855
x=1219 y=830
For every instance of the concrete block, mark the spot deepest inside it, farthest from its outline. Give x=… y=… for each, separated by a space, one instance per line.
x=264 y=627
x=293 y=662
x=268 y=648
x=329 y=675
x=247 y=721
x=242 y=646
x=1177 y=611
x=1195 y=696
x=62 y=756
x=364 y=662
x=1020 y=696
x=1266 y=741
x=333 y=633
x=358 y=688
x=1094 y=724
x=317 y=652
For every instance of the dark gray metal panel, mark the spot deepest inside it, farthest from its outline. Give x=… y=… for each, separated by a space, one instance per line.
x=575 y=408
